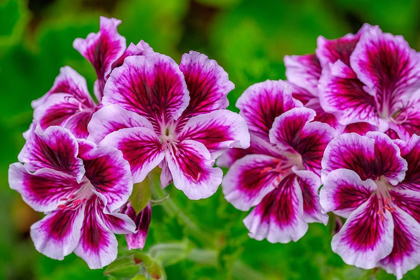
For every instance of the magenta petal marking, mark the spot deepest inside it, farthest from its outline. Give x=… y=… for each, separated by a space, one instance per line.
x=387 y=66
x=411 y=153
x=309 y=184
x=343 y=192
x=217 y=130
x=261 y=103
x=42 y=189
x=360 y=128
x=102 y=49
x=408 y=201
x=279 y=216
x=249 y=179
x=78 y=123
x=110 y=175
x=113 y=118
x=140 y=147
x=207 y=83
x=142 y=48
x=366 y=237
x=58 y=234
x=69 y=82
x=152 y=86
x=56 y=148
x=304 y=71
x=98 y=245
x=142 y=220
x=192 y=169
x=406 y=249
x=344 y=96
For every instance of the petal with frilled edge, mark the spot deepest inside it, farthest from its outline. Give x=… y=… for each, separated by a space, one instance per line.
x=142 y=48
x=142 y=221
x=304 y=71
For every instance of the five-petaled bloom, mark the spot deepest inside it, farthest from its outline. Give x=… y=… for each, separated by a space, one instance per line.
x=80 y=187
x=373 y=181
x=279 y=173
x=159 y=113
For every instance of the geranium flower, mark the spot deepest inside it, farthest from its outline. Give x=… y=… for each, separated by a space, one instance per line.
x=142 y=220
x=68 y=103
x=159 y=113
x=304 y=73
x=376 y=85
x=80 y=187
x=280 y=175
x=375 y=185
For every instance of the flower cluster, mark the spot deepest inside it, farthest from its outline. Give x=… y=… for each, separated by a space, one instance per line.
x=81 y=158
x=345 y=126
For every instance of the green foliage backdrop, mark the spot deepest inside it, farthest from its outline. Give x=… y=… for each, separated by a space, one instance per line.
x=249 y=39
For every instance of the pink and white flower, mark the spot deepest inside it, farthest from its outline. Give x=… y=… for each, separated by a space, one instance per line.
x=68 y=103
x=80 y=187
x=280 y=173
x=377 y=84
x=374 y=183
x=142 y=220
x=159 y=113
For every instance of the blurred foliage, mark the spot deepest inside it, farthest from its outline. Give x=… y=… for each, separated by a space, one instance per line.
x=249 y=39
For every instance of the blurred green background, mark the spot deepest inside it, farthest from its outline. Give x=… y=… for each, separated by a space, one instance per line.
x=249 y=39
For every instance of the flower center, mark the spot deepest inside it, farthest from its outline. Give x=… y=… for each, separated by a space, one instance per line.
x=384 y=198
x=167 y=136
x=73 y=201
x=285 y=164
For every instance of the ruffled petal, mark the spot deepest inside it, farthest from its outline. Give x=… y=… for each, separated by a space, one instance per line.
x=140 y=147
x=69 y=82
x=98 y=245
x=342 y=94
x=261 y=103
x=42 y=189
x=152 y=86
x=343 y=192
x=309 y=185
x=303 y=70
x=207 y=83
x=279 y=216
x=142 y=221
x=411 y=153
x=112 y=118
x=109 y=173
x=142 y=48
x=388 y=67
x=102 y=49
x=192 y=169
x=406 y=250
x=408 y=201
x=366 y=237
x=58 y=234
x=78 y=123
x=56 y=148
x=218 y=131
x=249 y=180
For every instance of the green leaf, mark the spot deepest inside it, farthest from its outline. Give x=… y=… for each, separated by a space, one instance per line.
x=123 y=267
x=140 y=196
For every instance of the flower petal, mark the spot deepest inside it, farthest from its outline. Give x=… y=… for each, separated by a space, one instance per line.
x=142 y=48
x=303 y=70
x=98 y=245
x=387 y=66
x=192 y=169
x=140 y=147
x=406 y=250
x=249 y=180
x=207 y=83
x=69 y=82
x=112 y=118
x=343 y=96
x=309 y=184
x=360 y=128
x=261 y=103
x=366 y=237
x=411 y=153
x=78 y=123
x=408 y=201
x=42 y=189
x=55 y=148
x=152 y=86
x=279 y=216
x=217 y=130
x=343 y=192
x=109 y=173
x=142 y=220
x=102 y=49
x=58 y=234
